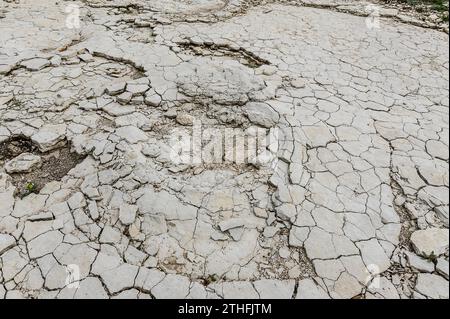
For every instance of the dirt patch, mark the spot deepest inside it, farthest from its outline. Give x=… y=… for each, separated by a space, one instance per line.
x=55 y=164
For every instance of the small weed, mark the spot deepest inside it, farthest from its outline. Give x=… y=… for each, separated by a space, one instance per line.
x=432 y=257
x=210 y=279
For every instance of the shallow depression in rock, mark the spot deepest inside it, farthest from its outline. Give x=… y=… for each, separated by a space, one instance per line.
x=31 y=173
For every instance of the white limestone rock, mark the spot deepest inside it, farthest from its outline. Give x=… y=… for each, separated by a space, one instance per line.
x=373 y=254
x=44 y=244
x=127 y=214
x=261 y=114
x=185 y=119
x=116 y=88
x=166 y=204
x=29 y=205
x=309 y=289
x=35 y=64
x=431 y=241
x=6 y=242
x=90 y=288
x=418 y=263
x=131 y=134
x=6 y=202
x=77 y=201
x=13 y=262
x=432 y=286
x=231 y=223
x=442 y=267
x=110 y=235
x=239 y=290
x=384 y=289
x=49 y=138
x=275 y=289
x=437 y=149
x=172 y=287
x=119 y=278
x=147 y=278
x=152 y=99
x=116 y=109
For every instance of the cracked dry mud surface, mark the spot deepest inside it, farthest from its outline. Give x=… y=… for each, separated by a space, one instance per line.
x=360 y=186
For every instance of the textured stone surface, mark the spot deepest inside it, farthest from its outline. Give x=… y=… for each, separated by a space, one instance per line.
x=432 y=286
x=6 y=242
x=319 y=170
x=431 y=241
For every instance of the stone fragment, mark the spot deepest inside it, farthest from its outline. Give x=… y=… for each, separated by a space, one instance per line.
x=124 y=98
x=48 y=139
x=437 y=149
x=127 y=214
x=93 y=210
x=134 y=256
x=318 y=135
x=384 y=288
x=131 y=134
x=231 y=223
x=185 y=119
x=151 y=150
x=432 y=286
x=286 y=212
x=261 y=114
x=298 y=83
x=147 y=279
x=116 y=109
x=86 y=57
x=23 y=163
x=120 y=278
x=442 y=214
x=35 y=64
x=91 y=288
x=137 y=89
x=373 y=254
x=275 y=289
x=165 y=204
x=116 y=88
x=13 y=262
x=431 y=241
x=309 y=289
x=29 y=205
x=6 y=242
x=442 y=267
x=5 y=69
x=44 y=244
x=236 y=233
x=239 y=290
x=152 y=99
x=6 y=202
x=418 y=263
x=110 y=235
x=284 y=252
x=172 y=287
